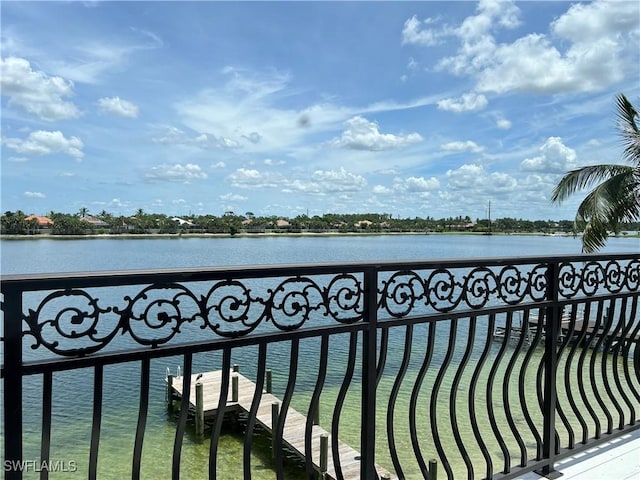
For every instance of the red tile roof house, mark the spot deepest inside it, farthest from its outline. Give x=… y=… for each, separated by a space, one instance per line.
x=44 y=223
x=96 y=222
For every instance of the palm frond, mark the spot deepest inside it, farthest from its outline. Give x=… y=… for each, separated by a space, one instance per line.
x=584 y=177
x=614 y=201
x=629 y=130
x=616 y=196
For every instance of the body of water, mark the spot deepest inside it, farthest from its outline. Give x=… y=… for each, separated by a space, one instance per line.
x=64 y=255
x=72 y=397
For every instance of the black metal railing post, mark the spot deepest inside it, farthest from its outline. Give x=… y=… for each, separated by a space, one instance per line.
x=12 y=307
x=369 y=373
x=552 y=333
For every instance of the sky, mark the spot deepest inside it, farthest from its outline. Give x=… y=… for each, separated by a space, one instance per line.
x=287 y=108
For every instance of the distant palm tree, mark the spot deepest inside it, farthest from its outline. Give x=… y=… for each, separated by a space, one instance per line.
x=616 y=197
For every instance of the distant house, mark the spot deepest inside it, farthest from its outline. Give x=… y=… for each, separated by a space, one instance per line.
x=461 y=226
x=94 y=221
x=363 y=224
x=281 y=223
x=182 y=221
x=43 y=222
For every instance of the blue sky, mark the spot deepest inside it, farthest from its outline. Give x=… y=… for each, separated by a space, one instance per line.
x=283 y=108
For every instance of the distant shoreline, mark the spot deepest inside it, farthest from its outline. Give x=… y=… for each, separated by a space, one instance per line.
x=270 y=235
x=228 y=235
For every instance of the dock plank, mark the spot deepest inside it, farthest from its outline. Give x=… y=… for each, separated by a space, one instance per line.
x=295 y=422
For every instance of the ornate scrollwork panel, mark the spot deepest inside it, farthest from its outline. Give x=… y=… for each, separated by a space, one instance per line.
x=75 y=322
x=66 y=322
x=344 y=298
x=154 y=316
x=443 y=290
x=592 y=278
x=229 y=309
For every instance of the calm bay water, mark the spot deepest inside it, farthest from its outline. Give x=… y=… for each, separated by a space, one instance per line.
x=58 y=255
x=72 y=390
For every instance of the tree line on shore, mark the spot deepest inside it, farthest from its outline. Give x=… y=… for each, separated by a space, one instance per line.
x=81 y=223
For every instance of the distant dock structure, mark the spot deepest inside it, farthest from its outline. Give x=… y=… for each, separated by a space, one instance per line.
x=204 y=397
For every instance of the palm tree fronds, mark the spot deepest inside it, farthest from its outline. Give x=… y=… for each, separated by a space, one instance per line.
x=606 y=207
x=584 y=177
x=616 y=197
x=629 y=130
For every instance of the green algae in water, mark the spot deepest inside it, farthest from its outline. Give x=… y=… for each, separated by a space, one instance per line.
x=71 y=426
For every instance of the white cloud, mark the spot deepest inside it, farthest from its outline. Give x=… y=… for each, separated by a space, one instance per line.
x=466 y=176
x=170 y=135
x=36 y=92
x=241 y=110
x=469 y=102
x=361 y=134
x=34 y=195
x=474 y=179
x=490 y=13
x=253 y=137
x=338 y=180
x=18 y=159
x=467 y=146
x=416 y=184
x=381 y=190
x=90 y=61
x=591 y=47
x=233 y=197
x=117 y=203
x=174 y=136
x=175 y=173
x=595 y=20
x=501 y=182
x=219 y=165
x=222 y=141
x=42 y=142
x=414 y=32
x=324 y=182
x=251 y=178
x=503 y=124
x=555 y=157
x=270 y=162
x=247 y=107
x=118 y=106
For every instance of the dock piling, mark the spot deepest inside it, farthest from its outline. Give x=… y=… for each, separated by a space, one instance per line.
x=269 y=375
x=433 y=469
x=324 y=455
x=288 y=430
x=169 y=391
x=234 y=388
x=199 y=410
x=275 y=410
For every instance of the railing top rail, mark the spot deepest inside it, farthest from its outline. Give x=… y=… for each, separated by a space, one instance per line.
x=41 y=281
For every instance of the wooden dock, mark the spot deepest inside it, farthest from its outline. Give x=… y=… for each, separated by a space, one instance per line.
x=581 y=327
x=294 y=429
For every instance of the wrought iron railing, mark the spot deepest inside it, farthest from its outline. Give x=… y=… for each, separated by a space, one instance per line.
x=493 y=367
